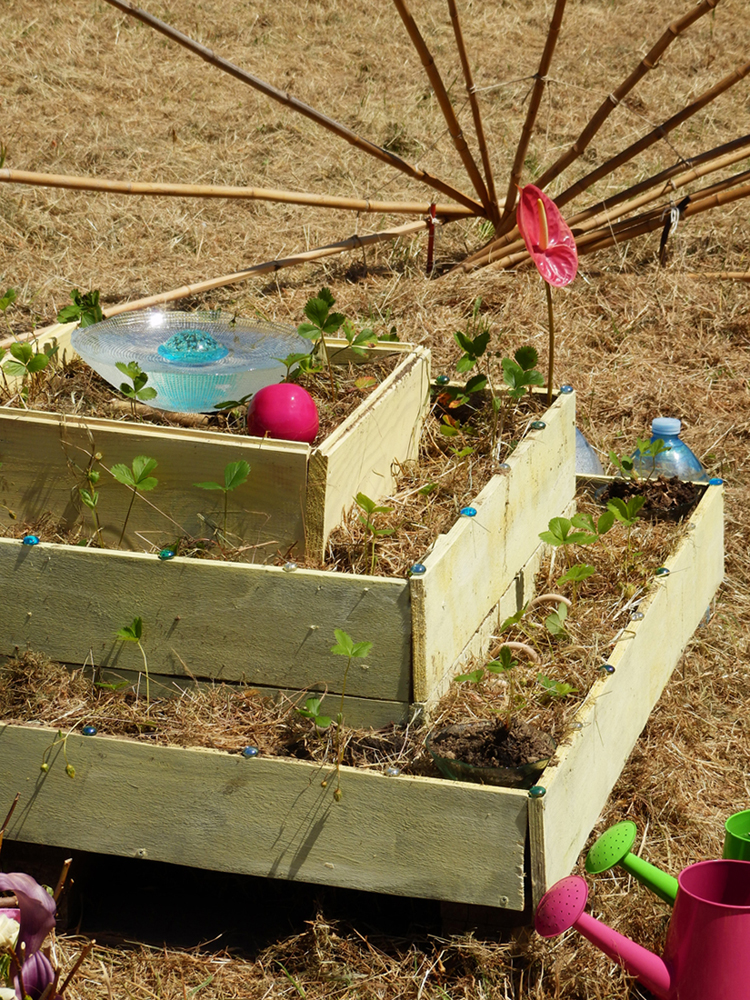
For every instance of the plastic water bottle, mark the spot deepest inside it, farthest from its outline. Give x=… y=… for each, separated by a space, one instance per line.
x=587 y=460
x=678 y=461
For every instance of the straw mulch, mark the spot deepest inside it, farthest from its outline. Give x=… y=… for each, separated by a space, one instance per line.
x=85 y=90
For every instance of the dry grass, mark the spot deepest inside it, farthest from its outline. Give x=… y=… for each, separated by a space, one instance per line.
x=87 y=91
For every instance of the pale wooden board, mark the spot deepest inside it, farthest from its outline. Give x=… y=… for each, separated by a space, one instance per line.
x=36 y=477
x=230 y=621
x=359 y=713
x=519 y=593
x=617 y=707
x=470 y=567
x=270 y=817
x=361 y=455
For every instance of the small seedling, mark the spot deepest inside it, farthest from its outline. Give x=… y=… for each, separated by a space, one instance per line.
x=235 y=474
x=85 y=308
x=557 y=690
x=90 y=497
x=645 y=450
x=575 y=575
x=305 y=364
x=345 y=646
x=555 y=622
x=626 y=512
x=321 y=323
x=504 y=664
x=138 y=391
x=311 y=710
x=26 y=363
x=7 y=300
x=134 y=633
x=138 y=479
x=370 y=511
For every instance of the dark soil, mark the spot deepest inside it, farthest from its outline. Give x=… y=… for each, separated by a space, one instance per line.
x=666 y=499
x=491 y=745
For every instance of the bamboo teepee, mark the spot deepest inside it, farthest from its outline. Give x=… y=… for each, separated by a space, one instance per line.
x=649 y=205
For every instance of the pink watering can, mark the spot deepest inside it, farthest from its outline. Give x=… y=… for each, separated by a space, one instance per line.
x=707 y=954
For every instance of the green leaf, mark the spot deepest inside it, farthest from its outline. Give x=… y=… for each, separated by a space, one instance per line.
x=368 y=506
x=37 y=363
x=317 y=311
x=132 y=632
x=142 y=467
x=361 y=649
x=527 y=357
x=465 y=364
x=235 y=474
x=132 y=369
x=123 y=475
x=464 y=342
x=344 y=643
x=555 y=623
x=8 y=299
x=476 y=384
x=474 y=677
x=333 y=322
x=577 y=573
x=309 y=331
x=209 y=486
x=504 y=662
x=327 y=296
x=89 y=498
x=148 y=393
x=14 y=368
x=514 y=619
x=23 y=352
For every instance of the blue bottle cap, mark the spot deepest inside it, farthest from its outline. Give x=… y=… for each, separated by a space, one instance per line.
x=665 y=426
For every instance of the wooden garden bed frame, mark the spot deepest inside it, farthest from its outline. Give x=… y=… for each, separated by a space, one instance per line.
x=295 y=496
x=273 y=629
x=403 y=835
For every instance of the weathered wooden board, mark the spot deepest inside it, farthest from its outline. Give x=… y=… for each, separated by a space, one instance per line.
x=228 y=621
x=363 y=453
x=43 y=456
x=587 y=765
x=407 y=836
x=470 y=568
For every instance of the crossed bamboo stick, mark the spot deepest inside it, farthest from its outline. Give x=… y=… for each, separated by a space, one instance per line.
x=596 y=227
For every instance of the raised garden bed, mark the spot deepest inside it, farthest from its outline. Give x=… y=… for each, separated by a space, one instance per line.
x=404 y=835
x=272 y=629
x=295 y=496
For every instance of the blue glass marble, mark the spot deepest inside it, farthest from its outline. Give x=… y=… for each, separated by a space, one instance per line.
x=417 y=570
x=716 y=481
x=636 y=616
x=167 y=554
x=662 y=571
x=442 y=380
x=504 y=467
x=250 y=752
x=538 y=425
x=289 y=567
x=393 y=772
x=537 y=792
x=566 y=389
x=192 y=347
x=468 y=512
x=89 y=730
x=607 y=668
x=31 y=540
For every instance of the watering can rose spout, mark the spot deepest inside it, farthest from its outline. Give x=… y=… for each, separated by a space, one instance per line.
x=562 y=907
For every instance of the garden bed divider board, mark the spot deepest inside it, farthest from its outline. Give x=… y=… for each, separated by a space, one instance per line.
x=589 y=761
x=421 y=837
x=293 y=498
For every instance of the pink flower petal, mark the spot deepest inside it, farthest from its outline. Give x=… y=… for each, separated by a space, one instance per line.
x=37 y=909
x=558 y=263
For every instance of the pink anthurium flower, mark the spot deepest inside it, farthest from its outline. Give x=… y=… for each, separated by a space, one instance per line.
x=552 y=248
x=547 y=236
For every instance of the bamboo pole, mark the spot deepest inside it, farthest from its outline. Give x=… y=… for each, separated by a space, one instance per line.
x=476 y=113
x=721 y=275
x=445 y=104
x=722 y=155
x=585 y=222
x=654 y=135
x=270 y=266
x=649 y=61
x=220 y=191
x=528 y=125
x=296 y=105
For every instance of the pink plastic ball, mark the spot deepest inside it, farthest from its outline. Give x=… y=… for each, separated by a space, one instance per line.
x=284 y=411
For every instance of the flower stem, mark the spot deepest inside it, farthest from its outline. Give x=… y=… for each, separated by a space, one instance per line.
x=550 y=317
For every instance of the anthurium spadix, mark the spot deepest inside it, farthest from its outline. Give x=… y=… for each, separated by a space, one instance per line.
x=552 y=247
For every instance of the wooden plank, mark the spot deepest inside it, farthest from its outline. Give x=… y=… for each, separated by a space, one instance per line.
x=589 y=761
x=269 y=817
x=359 y=713
x=361 y=455
x=39 y=452
x=229 y=621
x=470 y=567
